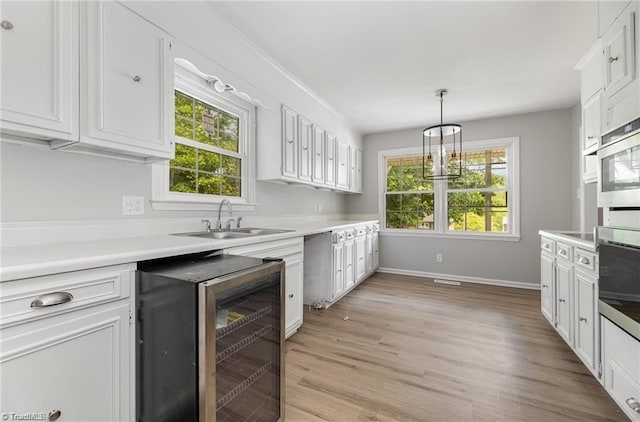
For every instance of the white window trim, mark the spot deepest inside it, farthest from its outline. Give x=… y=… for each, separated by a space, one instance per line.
x=512 y=144
x=164 y=200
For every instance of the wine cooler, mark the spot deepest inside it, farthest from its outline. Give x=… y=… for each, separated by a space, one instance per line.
x=210 y=336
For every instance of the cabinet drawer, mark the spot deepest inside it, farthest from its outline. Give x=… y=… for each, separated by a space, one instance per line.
x=19 y=299
x=548 y=245
x=585 y=260
x=274 y=249
x=564 y=251
x=623 y=390
x=622 y=349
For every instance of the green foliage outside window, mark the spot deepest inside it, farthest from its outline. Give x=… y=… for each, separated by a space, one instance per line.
x=477 y=201
x=196 y=170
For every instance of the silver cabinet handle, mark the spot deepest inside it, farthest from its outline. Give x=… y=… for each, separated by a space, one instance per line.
x=545 y=286
x=137 y=78
x=613 y=59
x=546 y=246
x=290 y=141
x=361 y=259
x=305 y=148
x=561 y=300
x=590 y=137
x=6 y=25
x=51 y=299
x=584 y=260
x=633 y=404
x=582 y=319
x=54 y=415
x=562 y=252
x=290 y=295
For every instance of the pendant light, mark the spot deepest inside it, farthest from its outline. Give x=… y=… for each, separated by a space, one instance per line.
x=446 y=141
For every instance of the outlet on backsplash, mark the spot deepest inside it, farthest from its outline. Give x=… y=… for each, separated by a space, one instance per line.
x=133 y=205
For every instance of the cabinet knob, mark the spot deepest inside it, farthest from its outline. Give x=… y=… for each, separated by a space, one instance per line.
x=137 y=78
x=51 y=299
x=582 y=319
x=633 y=404
x=305 y=148
x=54 y=415
x=6 y=25
x=613 y=59
x=561 y=300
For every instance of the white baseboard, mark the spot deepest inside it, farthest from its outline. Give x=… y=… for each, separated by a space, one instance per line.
x=462 y=278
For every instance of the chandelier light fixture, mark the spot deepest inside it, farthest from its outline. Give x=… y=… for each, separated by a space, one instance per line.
x=445 y=161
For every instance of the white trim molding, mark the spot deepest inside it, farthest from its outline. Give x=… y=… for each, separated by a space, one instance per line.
x=461 y=278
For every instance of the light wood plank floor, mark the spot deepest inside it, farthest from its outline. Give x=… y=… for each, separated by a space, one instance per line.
x=412 y=350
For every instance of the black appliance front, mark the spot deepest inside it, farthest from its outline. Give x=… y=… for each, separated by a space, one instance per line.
x=619 y=277
x=247 y=350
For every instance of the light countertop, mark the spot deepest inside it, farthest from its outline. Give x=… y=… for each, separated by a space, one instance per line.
x=582 y=240
x=36 y=260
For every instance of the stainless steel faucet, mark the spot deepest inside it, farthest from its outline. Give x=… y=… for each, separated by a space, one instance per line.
x=219 y=222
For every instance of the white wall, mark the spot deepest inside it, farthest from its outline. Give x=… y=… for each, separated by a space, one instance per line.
x=39 y=184
x=546 y=190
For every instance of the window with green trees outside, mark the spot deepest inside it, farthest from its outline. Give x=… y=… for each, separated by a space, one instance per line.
x=208 y=156
x=477 y=202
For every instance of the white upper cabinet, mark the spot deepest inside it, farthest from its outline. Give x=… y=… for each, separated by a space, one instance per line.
x=330 y=160
x=342 y=168
x=305 y=134
x=318 y=155
x=126 y=86
x=619 y=52
x=39 y=54
x=289 y=143
x=358 y=170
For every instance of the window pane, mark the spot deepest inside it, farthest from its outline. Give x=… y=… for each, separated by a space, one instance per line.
x=206 y=122
x=185 y=157
x=182 y=181
x=394 y=203
x=394 y=175
x=477 y=211
x=231 y=166
x=412 y=220
x=499 y=220
x=228 y=132
x=208 y=161
x=394 y=220
x=183 y=105
x=481 y=169
x=208 y=184
x=231 y=186
x=184 y=128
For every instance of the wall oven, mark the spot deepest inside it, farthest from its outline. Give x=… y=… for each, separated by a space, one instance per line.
x=619 y=167
x=210 y=339
x=619 y=278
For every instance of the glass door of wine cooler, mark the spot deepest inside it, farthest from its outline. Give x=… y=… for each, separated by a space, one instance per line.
x=246 y=329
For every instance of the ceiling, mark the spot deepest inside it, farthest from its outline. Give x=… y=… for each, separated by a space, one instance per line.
x=380 y=63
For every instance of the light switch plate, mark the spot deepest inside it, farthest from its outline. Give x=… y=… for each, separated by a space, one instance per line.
x=133 y=205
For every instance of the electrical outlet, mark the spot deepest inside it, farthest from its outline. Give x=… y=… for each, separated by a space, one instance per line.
x=439 y=257
x=133 y=205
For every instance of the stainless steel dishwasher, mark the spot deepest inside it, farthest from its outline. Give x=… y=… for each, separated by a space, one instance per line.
x=210 y=339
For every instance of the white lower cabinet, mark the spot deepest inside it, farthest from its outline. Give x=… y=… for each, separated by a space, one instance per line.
x=376 y=247
x=361 y=256
x=65 y=346
x=621 y=368
x=569 y=297
x=337 y=265
x=292 y=252
x=349 y=268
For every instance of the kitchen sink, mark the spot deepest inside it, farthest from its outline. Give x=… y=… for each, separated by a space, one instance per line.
x=234 y=234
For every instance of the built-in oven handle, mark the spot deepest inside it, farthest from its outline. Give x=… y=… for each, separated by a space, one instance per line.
x=633 y=404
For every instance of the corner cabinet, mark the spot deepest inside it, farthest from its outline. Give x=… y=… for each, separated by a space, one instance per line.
x=123 y=104
x=39 y=54
x=292 y=252
x=569 y=296
x=65 y=345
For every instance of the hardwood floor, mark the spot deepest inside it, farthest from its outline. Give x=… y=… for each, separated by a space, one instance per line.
x=404 y=348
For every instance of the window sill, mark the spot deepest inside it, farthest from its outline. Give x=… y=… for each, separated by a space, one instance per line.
x=461 y=236
x=186 y=205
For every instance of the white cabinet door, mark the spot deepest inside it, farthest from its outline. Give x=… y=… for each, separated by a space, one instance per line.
x=294 y=274
x=330 y=160
x=352 y=169
x=76 y=364
x=619 y=51
x=591 y=115
x=305 y=134
x=358 y=170
x=361 y=252
x=318 y=155
x=289 y=143
x=585 y=314
x=547 y=287
x=349 y=259
x=564 y=315
x=342 y=169
x=376 y=250
x=39 y=55
x=338 y=270
x=126 y=86
x=369 y=258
